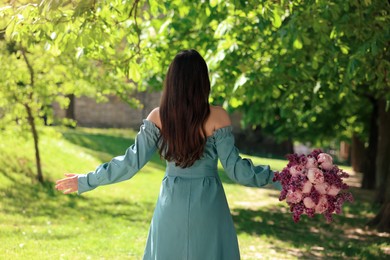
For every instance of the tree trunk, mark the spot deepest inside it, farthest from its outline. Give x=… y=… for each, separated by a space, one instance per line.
x=30 y=117
x=358 y=155
x=70 y=111
x=383 y=155
x=345 y=151
x=382 y=219
x=369 y=176
x=34 y=132
x=289 y=146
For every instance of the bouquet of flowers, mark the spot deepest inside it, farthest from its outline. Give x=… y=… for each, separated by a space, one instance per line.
x=312 y=184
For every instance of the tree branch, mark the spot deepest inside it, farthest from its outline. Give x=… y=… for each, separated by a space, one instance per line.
x=30 y=68
x=134 y=8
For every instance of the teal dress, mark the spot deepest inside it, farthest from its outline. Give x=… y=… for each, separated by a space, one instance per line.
x=191 y=220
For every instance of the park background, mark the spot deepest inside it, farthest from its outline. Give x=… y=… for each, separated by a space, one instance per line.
x=289 y=72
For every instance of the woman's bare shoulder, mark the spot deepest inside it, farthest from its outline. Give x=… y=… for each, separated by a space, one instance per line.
x=154 y=117
x=219 y=117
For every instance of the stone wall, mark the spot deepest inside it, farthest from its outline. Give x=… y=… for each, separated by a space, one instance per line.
x=114 y=113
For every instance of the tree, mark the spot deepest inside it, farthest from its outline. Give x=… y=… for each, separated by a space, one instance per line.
x=42 y=49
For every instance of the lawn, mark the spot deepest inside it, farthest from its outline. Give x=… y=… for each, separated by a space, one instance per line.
x=111 y=222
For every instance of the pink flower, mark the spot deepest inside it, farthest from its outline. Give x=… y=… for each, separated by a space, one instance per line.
x=309 y=203
x=294 y=197
x=324 y=157
x=315 y=175
x=325 y=160
x=307 y=187
x=313 y=185
x=296 y=170
x=322 y=188
x=311 y=163
x=322 y=205
x=333 y=190
x=326 y=166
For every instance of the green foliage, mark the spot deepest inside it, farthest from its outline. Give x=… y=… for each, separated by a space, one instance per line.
x=52 y=49
x=301 y=69
x=310 y=67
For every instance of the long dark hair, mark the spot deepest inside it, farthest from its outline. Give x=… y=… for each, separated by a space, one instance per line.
x=184 y=108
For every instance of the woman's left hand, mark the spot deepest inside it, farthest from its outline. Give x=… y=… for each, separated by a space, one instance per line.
x=68 y=184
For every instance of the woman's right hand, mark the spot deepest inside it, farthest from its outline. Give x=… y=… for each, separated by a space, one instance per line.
x=68 y=184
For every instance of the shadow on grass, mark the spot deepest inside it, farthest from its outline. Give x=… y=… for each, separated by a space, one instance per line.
x=36 y=201
x=107 y=146
x=309 y=239
x=346 y=237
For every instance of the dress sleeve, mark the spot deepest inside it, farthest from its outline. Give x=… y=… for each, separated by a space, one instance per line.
x=126 y=166
x=240 y=170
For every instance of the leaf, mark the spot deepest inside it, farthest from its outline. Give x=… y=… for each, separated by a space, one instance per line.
x=53 y=35
x=208 y=12
x=234 y=102
x=80 y=52
x=276 y=93
x=134 y=73
x=314 y=64
x=183 y=10
x=344 y=49
x=214 y=3
x=276 y=21
x=297 y=44
x=223 y=28
x=47 y=46
x=242 y=79
x=317 y=87
x=154 y=8
x=164 y=26
x=5 y=8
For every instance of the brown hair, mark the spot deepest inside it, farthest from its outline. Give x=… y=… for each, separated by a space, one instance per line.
x=184 y=108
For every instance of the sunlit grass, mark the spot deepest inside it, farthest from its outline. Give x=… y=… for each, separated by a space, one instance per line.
x=111 y=222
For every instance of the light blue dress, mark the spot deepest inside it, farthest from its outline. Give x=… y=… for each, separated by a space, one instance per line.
x=191 y=220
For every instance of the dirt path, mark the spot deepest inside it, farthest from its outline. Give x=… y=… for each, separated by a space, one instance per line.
x=355 y=179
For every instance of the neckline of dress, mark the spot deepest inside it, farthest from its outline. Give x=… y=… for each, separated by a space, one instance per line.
x=207 y=138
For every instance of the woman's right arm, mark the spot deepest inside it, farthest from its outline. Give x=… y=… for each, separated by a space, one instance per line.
x=120 y=168
x=123 y=167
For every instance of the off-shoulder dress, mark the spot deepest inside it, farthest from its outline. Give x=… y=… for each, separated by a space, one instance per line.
x=191 y=220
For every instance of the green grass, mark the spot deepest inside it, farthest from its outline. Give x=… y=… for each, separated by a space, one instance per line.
x=111 y=222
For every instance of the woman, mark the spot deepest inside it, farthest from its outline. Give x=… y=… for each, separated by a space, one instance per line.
x=192 y=218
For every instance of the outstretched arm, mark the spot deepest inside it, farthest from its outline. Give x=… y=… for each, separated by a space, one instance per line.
x=240 y=170
x=119 y=168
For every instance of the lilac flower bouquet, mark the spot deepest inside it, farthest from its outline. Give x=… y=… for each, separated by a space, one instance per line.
x=312 y=184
